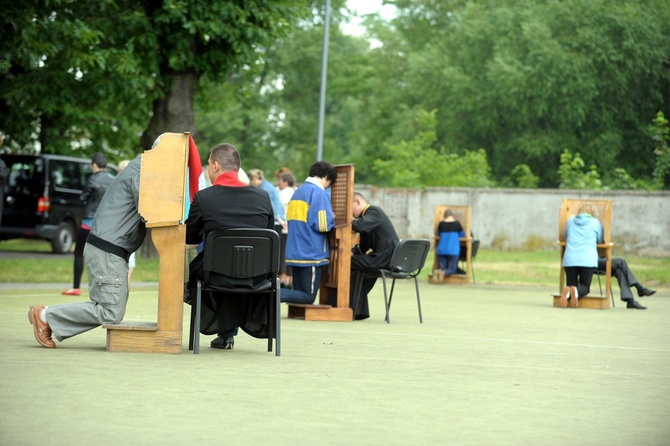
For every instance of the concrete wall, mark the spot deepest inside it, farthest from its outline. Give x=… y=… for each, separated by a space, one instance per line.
x=528 y=219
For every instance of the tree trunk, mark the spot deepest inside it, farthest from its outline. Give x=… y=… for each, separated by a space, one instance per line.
x=172 y=113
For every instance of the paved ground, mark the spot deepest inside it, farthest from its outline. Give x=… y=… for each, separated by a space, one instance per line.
x=490 y=365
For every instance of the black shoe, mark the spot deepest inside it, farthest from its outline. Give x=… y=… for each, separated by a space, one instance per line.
x=635 y=305
x=187 y=295
x=645 y=292
x=223 y=344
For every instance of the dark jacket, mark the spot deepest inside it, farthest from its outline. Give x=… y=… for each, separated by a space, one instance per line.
x=377 y=235
x=95 y=188
x=118 y=227
x=224 y=207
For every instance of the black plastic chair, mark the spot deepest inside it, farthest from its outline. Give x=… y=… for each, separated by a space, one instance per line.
x=248 y=255
x=408 y=259
x=462 y=257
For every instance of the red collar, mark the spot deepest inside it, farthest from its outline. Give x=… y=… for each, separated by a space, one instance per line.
x=230 y=179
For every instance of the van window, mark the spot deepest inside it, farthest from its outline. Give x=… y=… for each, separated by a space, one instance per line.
x=23 y=179
x=68 y=175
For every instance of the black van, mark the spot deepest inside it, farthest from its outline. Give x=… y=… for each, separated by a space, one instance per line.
x=41 y=198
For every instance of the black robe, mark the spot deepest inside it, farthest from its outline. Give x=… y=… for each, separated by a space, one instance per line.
x=378 y=239
x=225 y=207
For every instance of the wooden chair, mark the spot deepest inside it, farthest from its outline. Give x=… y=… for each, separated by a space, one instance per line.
x=464 y=215
x=568 y=210
x=248 y=255
x=162 y=205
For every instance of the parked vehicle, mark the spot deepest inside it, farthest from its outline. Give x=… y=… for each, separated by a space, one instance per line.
x=42 y=198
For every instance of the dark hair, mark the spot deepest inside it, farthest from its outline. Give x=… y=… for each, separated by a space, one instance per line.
x=282 y=170
x=99 y=160
x=227 y=156
x=323 y=169
x=288 y=177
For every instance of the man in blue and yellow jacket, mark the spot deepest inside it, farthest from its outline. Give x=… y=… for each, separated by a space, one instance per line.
x=310 y=217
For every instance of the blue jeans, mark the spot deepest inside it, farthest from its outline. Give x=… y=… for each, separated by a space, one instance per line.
x=306 y=283
x=448 y=264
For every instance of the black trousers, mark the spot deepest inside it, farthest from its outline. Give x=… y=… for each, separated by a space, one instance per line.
x=580 y=277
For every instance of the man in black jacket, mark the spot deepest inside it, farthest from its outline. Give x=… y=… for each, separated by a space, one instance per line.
x=378 y=239
x=228 y=203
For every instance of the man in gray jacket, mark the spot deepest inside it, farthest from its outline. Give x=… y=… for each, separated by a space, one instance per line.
x=95 y=188
x=117 y=231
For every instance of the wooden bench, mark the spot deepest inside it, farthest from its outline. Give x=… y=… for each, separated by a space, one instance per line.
x=319 y=312
x=464 y=215
x=568 y=210
x=162 y=205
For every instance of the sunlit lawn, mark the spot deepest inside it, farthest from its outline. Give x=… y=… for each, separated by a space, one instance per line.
x=490 y=267
x=58 y=269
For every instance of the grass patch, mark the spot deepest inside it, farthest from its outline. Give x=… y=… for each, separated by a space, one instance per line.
x=543 y=268
x=490 y=266
x=59 y=269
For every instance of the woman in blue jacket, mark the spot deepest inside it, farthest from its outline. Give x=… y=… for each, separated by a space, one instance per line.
x=583 y=233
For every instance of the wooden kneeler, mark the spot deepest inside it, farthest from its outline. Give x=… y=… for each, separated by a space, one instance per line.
x=568 y=210
x=161 y=204
x=334 y=291
x=464 y=215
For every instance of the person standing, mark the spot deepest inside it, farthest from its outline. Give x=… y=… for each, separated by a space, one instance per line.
x=95 y=188
x=117 y=231
x=310 y=217
x=257 y=178
x=580 y=261
x=378 y=239
x=286 y=188
x=227 y=203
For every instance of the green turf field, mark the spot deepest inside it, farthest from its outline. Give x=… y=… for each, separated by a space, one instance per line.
x=490 y=365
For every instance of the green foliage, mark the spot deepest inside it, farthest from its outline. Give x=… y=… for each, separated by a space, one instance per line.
x=525 y=79
x=520 y=79
x=522 y=177
x=415 y=163
x=621 y=180
x=661 y=136
x=93 y=74
x=572 y=175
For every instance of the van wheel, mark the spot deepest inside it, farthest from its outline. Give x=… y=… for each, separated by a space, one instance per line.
x=64 y=239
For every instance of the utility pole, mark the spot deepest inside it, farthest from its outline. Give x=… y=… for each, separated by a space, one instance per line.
x=324 y=77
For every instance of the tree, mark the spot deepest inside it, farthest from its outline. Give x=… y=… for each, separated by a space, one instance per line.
x=526 y=79
x=572 y=175
x=661 y=136
x=417 y=163
x=522 y=177
x=96 y=72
